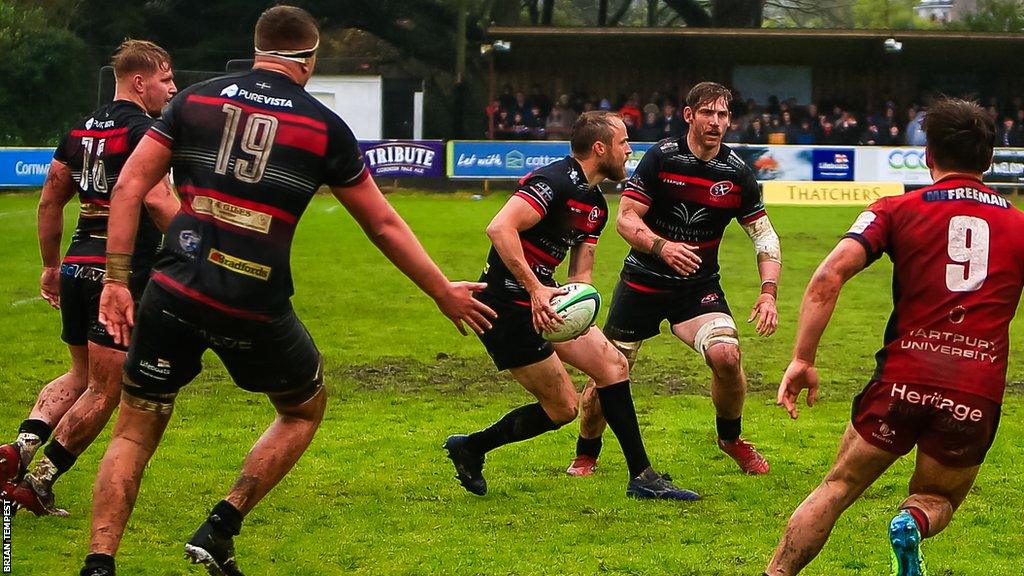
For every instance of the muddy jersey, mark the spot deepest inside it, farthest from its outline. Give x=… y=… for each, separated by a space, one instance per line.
x=572 y=212
x=958 y=266
x=95 y=150
x=691 y=201
x=249 y=152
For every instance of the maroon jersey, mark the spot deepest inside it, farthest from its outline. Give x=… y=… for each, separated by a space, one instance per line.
x=572 y=212
x=958 y=267
x=692 y=201
x=95 y=151
x=249 y=152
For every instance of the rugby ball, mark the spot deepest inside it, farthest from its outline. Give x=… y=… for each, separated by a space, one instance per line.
x=578 y=309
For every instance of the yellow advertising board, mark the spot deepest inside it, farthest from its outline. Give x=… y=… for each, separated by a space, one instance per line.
x=828 y=193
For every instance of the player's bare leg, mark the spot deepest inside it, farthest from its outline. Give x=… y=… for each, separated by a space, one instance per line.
x=857 y=465
x=270 y=459
x=592 y=421
x=77 y=429
x=140 y=425
x=936 y=491
x=556 y=406
x=53 y=402
x=714 y=336
x=596 y=356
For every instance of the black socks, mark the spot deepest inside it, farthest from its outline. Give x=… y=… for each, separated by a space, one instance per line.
x=617 y=404
x=225 y=518
x=520 y=424
x=98 y=561
x=588 y=447
x=728 y=430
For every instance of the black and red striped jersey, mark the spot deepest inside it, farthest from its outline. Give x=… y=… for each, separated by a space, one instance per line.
x=957 y=249
x=95 y=150
x=572 y=212
x=249 y=152
x=691 y=201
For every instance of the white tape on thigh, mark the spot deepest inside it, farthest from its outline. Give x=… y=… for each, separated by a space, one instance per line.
x=717 y=331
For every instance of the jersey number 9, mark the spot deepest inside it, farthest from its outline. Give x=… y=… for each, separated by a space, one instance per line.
x=968 y=248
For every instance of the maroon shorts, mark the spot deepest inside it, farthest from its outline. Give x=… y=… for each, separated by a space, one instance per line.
x=954 y=427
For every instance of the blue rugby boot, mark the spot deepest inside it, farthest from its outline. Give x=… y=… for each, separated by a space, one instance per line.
x=905 y=538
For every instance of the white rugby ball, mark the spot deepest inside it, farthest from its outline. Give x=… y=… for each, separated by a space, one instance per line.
x=578 y=309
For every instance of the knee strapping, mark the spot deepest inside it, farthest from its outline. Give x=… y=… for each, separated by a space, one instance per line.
x=133 y=395
x=717 y=331
x=628 y=349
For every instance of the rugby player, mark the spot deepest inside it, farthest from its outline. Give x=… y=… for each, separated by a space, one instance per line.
x=673 y=213
x=958 y=267
x=555 y=211
x=248 y=151
x=75 y=406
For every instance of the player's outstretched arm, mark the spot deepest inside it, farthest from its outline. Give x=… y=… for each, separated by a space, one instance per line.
x=769 y=267
x=58 y=189
x=514 y=217
x=143 y=170
x=630 y=225
x=844 y=262
x=386 y=229
x=162 y=204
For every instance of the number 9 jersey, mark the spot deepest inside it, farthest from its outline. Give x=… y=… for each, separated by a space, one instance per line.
x=957 y=249
x=249 y=152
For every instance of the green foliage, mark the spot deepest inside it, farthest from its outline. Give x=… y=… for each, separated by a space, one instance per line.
x=995 y=16
x=374 y=494
x=885 y=14
x=47 y=77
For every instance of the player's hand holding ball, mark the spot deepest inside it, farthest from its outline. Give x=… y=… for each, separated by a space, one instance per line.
x=545 y=318
x=577 y=310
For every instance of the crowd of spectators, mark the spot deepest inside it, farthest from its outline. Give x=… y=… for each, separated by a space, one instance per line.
x=516 y=115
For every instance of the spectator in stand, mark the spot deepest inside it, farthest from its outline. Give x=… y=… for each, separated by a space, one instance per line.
x=521 y=107
x=536 y=122
x=541 y=101
x=632 y=109
x=847 y=130
x=519 y=130
x=1008 y=135
x=776 y=131
x=892 y=136
x=503 y=125
x=507 y=99
x=804 y=134
x=871 y=136
x=670 y=125
x=755 y=133
x=631 y=129
x=650 y=130
x=789 y=126
x=734 y=135
x=557 y=126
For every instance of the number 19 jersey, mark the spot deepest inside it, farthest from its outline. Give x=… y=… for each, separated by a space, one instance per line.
x=958 y=268
x=249 y=152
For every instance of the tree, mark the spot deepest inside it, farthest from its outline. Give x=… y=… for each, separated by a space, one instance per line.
x=995 y=16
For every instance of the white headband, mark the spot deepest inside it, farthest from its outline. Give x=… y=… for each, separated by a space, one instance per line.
x=299 y=56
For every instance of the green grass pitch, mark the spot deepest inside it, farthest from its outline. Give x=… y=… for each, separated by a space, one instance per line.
x=374 y=494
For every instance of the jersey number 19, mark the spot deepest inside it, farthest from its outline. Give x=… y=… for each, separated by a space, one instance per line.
x=257 y=140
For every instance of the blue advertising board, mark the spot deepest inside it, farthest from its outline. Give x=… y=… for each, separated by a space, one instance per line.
x=404 y=158
x=512 y=159
x=833 y=164
x=24 y=167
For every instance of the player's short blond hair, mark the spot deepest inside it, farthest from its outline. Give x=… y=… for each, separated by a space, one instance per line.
x=590 y=127
x=134 y=56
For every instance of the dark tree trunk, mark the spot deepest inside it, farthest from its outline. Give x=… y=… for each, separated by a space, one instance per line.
x=691 y=12
x=737 y=13
x=617 y=17
x=602 y=13
x=549 y=12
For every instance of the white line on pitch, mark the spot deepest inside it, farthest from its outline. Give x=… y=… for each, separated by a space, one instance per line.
x=26 y=301
x=15 y=213
x=332 y=208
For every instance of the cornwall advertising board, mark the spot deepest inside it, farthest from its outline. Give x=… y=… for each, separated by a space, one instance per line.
x=404 y=158
x=24 y=167
x=512 y=159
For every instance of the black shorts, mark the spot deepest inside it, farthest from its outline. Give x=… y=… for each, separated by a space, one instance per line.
x=636 y=311
x=512 y=342
x=80 y=289
x=276 y=356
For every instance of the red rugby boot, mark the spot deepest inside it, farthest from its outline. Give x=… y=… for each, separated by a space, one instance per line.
x=745 y=455
x=582 y=465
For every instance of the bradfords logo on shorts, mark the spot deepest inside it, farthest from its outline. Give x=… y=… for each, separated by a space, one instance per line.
x=397 y=158
x=244 y=267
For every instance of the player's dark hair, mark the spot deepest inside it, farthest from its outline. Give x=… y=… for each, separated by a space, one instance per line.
x=705 y=92
x=286 y=28
x=139 y=56
x=960 y=135
x=590 y=127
